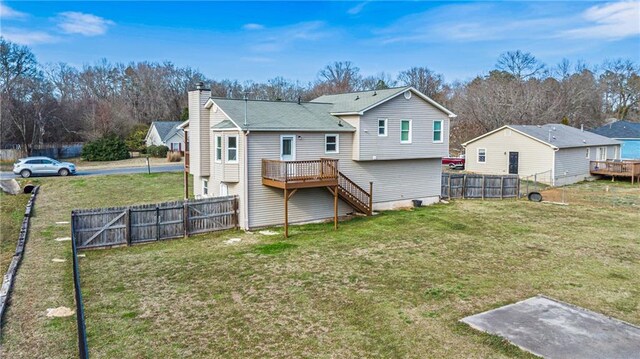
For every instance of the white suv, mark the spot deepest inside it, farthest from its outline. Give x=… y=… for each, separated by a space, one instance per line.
x=26 y=167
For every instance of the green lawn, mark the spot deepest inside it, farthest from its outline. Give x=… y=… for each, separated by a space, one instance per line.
x=392 y=285
x=43 y=284
x=11 y=214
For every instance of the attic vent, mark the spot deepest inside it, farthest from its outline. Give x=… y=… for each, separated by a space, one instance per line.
x=407 y=94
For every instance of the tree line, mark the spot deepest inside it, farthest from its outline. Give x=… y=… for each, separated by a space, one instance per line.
x=62 y=103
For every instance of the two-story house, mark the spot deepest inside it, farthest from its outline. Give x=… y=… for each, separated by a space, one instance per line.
x=294 y=162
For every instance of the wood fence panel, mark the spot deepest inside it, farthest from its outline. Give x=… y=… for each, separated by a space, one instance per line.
x=479 y=186
x=106 y=227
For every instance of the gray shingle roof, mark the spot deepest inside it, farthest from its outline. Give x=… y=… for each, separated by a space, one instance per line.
x=358 y=101
x=166 y=129
x=282 y=116
x=224 y=125
x=619 y=129
x=563 y=136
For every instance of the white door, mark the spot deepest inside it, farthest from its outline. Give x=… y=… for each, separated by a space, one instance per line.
x=601 y=153
x=224 y=189
x=287 y=148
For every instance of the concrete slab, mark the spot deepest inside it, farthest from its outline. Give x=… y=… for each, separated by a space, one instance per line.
x=553 y=329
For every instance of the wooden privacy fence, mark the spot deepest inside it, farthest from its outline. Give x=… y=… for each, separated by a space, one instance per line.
x=479 y=186
x=105 y=227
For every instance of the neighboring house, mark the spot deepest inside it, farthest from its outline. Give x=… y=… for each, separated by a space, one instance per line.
x=166 y=133
x=326 y=152
x=626 y=132
x=557 y=154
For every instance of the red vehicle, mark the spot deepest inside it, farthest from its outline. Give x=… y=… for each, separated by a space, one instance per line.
x=454 y=162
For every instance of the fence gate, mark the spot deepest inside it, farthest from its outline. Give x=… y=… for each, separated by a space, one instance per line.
x=152 y=222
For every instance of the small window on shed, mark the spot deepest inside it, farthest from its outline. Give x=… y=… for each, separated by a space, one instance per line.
x=482 y=155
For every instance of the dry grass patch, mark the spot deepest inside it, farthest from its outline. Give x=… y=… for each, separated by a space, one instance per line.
x=393 y=285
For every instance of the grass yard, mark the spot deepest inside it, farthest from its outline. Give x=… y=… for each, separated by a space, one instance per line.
x=11 y=215
x=391 y=286
x=43 y=284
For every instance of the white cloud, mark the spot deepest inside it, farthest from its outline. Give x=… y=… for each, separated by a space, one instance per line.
x=277 y=39
x=72 y=22
x=253 y=26
x=26 y=37
x=609 y=21
x=357 y=9
x=9 y=13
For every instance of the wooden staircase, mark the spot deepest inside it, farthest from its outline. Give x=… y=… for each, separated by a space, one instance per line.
x=354 y=195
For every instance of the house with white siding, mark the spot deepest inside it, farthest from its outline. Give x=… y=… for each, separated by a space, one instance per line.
x=295 y=162
x=166 y=133
x=557 y=154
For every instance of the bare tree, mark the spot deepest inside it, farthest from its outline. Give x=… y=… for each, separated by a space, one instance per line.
x=424 y=80
x=341 y=76
x=378 y=81
x=522 y=65
x=620 y=81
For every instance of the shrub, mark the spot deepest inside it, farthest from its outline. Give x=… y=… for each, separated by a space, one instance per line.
x=174 y=156
x=157 y=151
x=107 y=148
x=135 y=140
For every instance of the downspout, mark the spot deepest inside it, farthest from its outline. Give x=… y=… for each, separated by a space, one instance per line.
x=245 y=159
x=553 y=168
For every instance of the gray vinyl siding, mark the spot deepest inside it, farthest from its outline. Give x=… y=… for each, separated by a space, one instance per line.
x=572 y=164
x=422 y=116
x=534 y=157
x=393 y=180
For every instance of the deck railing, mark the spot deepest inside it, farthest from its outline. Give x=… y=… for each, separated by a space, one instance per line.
x=356 y=193
x=300 y=171
x=622 y=168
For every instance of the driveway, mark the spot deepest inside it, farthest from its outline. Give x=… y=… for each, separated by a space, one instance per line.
x=112 y=171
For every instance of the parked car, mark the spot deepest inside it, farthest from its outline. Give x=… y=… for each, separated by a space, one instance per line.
x=26 y=167
x=454 y=162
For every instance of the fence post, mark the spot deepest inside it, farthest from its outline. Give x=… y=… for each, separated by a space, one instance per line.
x=157 y=222
x=464 y=186
x=449 y=186
x=501 y=187
x=483 y=184
x=235 y=213
x=128 y=225
x=517 y=196
x=185 y=217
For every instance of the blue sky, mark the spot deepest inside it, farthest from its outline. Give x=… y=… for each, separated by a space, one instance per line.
x=261 y=40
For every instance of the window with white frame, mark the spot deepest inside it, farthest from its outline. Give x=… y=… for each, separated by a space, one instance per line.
x=176 y=146
x=405 y=131
x=382 y=127
x=482 y=155
x=218 y=140
x=437 y=131
x=205 y=187
x=232 y=149
x=601 y=153
x=588 y=153
x=331 y=144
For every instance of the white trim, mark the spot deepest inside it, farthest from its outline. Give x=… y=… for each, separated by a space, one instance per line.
x=337 y=136
x=205 y=187
x=386 y=127
x=293 y=146
x=410 y=132
x=215 y=148
x=478 y=155
x=588 y=153
x=441 y=131
x=226 y=157
x=183 y=125
x=400 y=92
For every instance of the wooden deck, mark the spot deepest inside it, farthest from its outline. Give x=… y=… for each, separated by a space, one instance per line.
x=616 y=169
x=300 y=174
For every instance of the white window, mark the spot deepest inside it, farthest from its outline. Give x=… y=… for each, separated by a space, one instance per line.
x=405 y=131
x=437 y=132
x=482 y=155
x=232 y=149
x=176 y=146
x=218 y=148
x=588 y=153
x=601 y=153
x=205 y=187
x=382 y=127
x=224 y=189
x=331 y=144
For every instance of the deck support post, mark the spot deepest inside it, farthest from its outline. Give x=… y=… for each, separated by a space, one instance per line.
x=186 y=184
x=335 y=207
x=286 y=213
